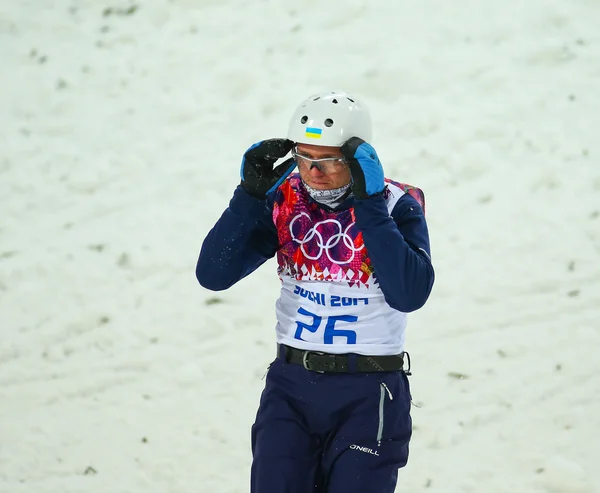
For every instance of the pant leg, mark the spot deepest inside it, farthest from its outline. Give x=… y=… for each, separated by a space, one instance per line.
x=285 y=455
x=371 y=443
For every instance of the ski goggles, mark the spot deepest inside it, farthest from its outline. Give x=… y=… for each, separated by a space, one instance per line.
x=326 y=165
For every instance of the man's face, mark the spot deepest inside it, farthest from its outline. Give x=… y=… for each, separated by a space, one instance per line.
x=324 y=175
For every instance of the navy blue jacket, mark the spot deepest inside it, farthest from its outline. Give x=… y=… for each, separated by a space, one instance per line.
x=398 y=245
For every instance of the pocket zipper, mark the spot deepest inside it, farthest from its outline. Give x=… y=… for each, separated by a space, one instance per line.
x=383 y=389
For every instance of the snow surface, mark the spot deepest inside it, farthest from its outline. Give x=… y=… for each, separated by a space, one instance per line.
x=122 y=129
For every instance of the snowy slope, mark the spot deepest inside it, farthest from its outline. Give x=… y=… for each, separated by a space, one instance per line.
x=123 y=126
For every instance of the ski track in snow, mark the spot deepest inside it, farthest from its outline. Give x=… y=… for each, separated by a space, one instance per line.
x=122 y=131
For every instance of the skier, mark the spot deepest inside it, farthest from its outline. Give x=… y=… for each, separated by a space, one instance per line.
x=353 y=259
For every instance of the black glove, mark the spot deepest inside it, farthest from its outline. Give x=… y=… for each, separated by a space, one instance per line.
x=258 y=175
x=366 y=169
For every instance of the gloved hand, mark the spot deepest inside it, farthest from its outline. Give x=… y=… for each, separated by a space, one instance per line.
x=258 y=175
x=367 y=172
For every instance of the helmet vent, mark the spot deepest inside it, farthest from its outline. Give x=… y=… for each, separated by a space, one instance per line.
x=328 y=122
x=304 y=119
x=334 y=101
x=318 y=97
x=350 y=99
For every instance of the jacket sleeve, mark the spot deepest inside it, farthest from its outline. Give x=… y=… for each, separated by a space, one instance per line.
x=398 y=245
x=242 y=239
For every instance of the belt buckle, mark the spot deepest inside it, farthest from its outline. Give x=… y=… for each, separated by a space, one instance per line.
x=305 y=360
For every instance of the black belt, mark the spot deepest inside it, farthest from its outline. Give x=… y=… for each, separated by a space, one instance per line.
x=339 y=363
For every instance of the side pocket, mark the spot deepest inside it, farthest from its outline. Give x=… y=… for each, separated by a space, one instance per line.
x=384 y=391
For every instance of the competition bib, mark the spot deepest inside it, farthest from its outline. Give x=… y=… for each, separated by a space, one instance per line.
x=330 y=300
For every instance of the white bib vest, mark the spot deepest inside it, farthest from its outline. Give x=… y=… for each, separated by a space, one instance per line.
x=330 y=300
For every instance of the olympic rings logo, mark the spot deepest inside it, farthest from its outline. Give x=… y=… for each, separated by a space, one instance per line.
x=332 y=241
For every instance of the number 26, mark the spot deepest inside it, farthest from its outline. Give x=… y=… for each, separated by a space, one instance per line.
x=330 y=330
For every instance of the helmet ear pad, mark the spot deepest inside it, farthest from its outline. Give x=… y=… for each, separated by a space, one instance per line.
x=330 y=119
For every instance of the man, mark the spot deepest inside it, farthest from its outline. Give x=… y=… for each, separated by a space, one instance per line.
x=353 y=259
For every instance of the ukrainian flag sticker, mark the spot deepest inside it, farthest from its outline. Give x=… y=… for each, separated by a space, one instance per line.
x=314 y=133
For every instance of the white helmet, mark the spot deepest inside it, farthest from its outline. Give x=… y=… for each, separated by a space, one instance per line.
x=330 y=119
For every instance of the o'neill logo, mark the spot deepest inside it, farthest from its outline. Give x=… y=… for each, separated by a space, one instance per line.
x=364 y=449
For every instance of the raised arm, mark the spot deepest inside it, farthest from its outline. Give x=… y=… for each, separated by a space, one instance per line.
x=242 y=239
x=245 y=236
x=398 y=246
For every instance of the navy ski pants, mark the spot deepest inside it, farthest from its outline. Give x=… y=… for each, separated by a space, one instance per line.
x=330 y=433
